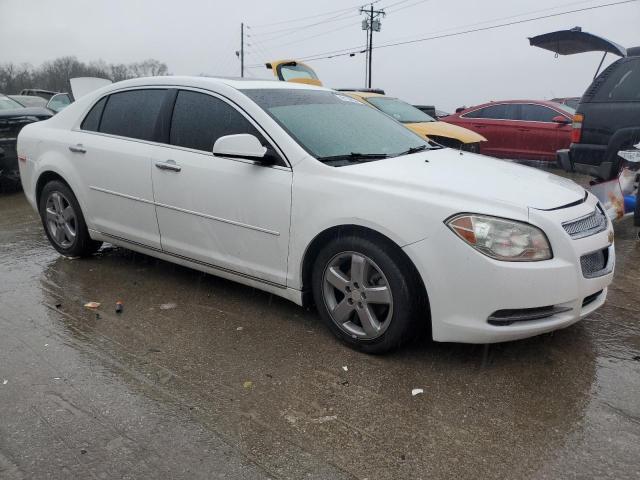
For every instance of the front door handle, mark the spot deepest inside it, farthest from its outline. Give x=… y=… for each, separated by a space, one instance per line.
x=170 y=165
x=77 y=148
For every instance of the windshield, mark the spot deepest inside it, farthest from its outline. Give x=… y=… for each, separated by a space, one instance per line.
x=570 y=110
x=7 y=104
x=330 y=125
x=401 y=111
x=290 y=72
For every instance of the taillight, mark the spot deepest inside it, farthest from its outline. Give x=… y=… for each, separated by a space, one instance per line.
x=576 y=128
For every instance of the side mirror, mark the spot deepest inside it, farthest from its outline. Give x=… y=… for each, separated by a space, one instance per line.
x=243 y=145
x=561 y=119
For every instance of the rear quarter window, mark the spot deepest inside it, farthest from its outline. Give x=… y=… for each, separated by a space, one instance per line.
x=133 y=113
x=619 y=84
x=91 y=122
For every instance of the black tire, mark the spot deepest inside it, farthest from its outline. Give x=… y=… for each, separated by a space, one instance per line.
x=408 y=302
x=82 y=245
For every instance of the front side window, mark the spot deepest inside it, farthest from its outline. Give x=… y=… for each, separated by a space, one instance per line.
x=199 y=120
x=330 y=124
x=59 y=102
x=537 y=113
x=401 y=111
x=132 y=113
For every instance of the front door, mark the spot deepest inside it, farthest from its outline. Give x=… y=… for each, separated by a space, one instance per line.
x=231 y=214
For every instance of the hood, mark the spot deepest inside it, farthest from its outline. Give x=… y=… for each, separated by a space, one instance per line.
x=25 y=112
x=80 y=86
x=443 y=129
x=472 y=176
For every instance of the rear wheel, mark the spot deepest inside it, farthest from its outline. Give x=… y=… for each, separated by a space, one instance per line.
x=366 y=294
x=63 y=221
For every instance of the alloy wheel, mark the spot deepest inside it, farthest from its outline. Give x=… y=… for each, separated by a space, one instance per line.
x=61 y=220
x=357 y=295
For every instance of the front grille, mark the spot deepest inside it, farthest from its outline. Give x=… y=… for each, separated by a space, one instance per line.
x=591 y=298
x=591 y=224
x=595 y=264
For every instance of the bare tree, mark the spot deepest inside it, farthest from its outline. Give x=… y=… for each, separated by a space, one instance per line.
x=54 y=75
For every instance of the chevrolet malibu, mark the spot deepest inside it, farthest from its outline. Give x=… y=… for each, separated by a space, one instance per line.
x=308 y=194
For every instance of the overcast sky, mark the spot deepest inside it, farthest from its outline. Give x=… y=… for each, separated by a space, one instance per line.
x=201 y=36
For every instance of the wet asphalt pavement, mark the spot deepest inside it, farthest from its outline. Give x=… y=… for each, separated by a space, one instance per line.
x=203 y=378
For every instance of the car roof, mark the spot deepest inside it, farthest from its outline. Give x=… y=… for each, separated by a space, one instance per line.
x=204 y=82
x=498 y=102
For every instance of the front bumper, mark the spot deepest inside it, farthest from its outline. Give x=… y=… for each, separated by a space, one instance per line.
x=467 y=288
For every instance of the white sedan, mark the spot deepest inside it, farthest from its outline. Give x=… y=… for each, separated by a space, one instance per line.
x=308 y=194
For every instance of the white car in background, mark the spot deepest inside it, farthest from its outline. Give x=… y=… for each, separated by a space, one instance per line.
x=308 y=194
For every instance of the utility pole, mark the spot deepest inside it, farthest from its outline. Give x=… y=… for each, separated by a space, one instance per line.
x=371 y=23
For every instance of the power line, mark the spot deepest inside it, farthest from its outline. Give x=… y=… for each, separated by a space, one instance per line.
x=311 y=16
x=333 y=54
x=484 y=22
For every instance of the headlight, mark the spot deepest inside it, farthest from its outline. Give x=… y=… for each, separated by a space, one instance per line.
x=502 y=239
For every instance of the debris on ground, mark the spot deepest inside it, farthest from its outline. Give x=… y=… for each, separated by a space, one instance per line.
x=345 y=368
x=92 y=305
x=58 y=305
x=119 y=307
x=248 y=384
x=4 y=382
x=240 y=328
x=168 y=306
x=327 y=418
x=417 y=391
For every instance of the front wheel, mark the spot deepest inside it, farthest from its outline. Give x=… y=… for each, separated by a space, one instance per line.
x=63 y=221
x=366 y=294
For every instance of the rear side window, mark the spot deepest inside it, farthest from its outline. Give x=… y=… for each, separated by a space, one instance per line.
x=132 y=114
x=199 y=120
x=505 y=111
x=621 y=85
x=92 y=121
x=537 y=113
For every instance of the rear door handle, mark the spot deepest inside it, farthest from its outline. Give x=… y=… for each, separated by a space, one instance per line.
x=170 y=165
x=77 y=148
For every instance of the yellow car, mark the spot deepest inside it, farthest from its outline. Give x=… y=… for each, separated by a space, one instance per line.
x=440 y=132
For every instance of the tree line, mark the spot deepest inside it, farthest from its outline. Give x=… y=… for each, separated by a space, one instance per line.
x=55 y=74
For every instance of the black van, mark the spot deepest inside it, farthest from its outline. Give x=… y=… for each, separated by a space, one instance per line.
x=607 y=120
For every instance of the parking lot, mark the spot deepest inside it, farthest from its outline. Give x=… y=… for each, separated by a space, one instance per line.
x=199 y=377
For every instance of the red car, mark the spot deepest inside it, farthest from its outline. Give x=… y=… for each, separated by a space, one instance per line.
x=519 y=129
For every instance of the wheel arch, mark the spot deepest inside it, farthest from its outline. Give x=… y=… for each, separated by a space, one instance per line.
x=322 y=238
x=46 y=177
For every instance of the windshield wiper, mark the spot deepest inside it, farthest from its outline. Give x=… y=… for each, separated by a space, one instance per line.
x=354 y=156
x=411 y=150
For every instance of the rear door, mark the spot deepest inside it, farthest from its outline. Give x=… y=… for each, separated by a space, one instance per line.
x=495 y=123
x=228 y=213
x=539 y=136
x=112 y=154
